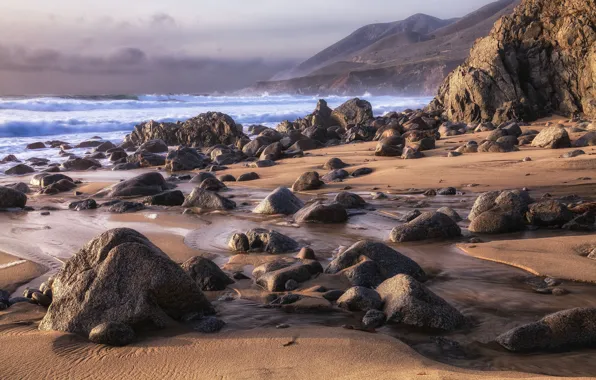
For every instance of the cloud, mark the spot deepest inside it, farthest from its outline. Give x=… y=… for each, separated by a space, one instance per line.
x=163 y=19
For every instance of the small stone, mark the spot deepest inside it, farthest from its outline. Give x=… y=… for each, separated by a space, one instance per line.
x=112 y=334
x=291 y=285
x=209 y=325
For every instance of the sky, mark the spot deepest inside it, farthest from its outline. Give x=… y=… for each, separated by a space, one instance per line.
x=45 y=45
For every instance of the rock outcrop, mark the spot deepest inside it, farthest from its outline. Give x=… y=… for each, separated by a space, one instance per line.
x=540 y=59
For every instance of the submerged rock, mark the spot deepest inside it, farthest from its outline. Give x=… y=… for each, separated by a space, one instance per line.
x=141 y=185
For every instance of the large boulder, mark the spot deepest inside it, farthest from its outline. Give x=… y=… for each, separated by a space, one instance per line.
x=208 y=200
x=167 y=198
x=549 y=213
x=484 y=202
x=539 y=59
x=349 y=200
x=429 y=225
x=308 y=181
x=409 y=302
x=77 y=163
x=554 y=137
x=154 y=146
x=389 y=261
x=495 y=221
x=206 y=274
x=352 y=112
x=120 y=276
x=207 y=129
x=319 y=212
x=10 y=198
x=142 y=185
x=280 y=201
x=574 y=328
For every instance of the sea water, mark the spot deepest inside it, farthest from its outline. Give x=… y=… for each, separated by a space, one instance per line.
x=24 y=120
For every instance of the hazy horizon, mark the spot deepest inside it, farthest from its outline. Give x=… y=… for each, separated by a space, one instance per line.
x=68 y=47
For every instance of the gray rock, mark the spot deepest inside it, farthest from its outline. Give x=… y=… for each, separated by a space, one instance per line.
x=41 y=299
x=447 y=191
x=361 y=172
x=366 y=273
x=20 y=186
x=10 y=198
x=549 y=213
x=141 y=185
x=270 y=266
x=77 y=163
x=112 y=334
x=208 y=200
x=450 y=213
x=308 y=181
x=389 y=261
x=483 y=203
x=411 y=216
x=291 y=285
x=167 y=198
x=269 y=241
x=239 y=243
x=333 y=295
x=334 y=164
x=275 y=281
x=202 y=176
x=360 y=299
x=248 y=177
x=349 y=200
x=125 y=206
x=87 y=204
x=280 y=201
x=495 y=221
x=335 y=175
x=429 y=225
x=212 y=184
x=154 y=146
x=149 y=286
x=184 y=159
x=409 y=302
x=352 y=112
x=574 y=153
x=209 y=325
x=318 y=212
x=574 y=328
x=373 y=319
x=206 y=274
x=554 y=137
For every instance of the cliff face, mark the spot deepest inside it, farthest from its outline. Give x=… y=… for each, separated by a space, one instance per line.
x=540 y=59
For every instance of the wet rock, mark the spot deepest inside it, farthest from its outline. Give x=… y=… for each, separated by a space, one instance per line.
x=167 y=198
x=373 y=319
x=410 y=216
x=378 y=195
x=146 y=159
x=318 y=212
x=239 y=243
x=389 y=261
x=573 y=154
x=150 y=286
x=9 y=158
x=410 y=153
x=270 y=266
x=262 y=164
x=45 y=179
x=360 y=299
x=227 y=178
x=352 y=112
x=483 y=203
x=350 y=200
x=89 y=144
x=555 y=137
x=20 y=186
x=568 y=329
x=77 y=163
x=334 y=164
x=409 y=302
x=291 y=285
x=429 y=225
x=450 y=213
x=19 y=169
x=208 y=200
x=118 y=155
x=154 y=146
x=141 y=185
x=276 y=281
x=272 y=152
x=112 y=334
x=199 y=178
x=495 y=221
x=10 y=198
x=41 y=299
x=36 y=145
x=335 y=175
x=184 y=159
x=262 y=240
x=87 y=204
x=98 y=156
x=248 y=177
x=306 y=253
x=212 y=184
x=125 y=206
x=589 y=139
x=366 y=273
x=104 y=147
x=496 y=147
x=333 y=295
x=307 y=181
x=206 y=274
x=549 y=213
x=447 y=191
x=280 y=201
x=361 y=172
x=209 y=325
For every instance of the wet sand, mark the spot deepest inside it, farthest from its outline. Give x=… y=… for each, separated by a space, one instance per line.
x=493 y=296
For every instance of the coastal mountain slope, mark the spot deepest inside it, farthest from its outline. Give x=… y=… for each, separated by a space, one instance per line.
x=408 y=57
x=540 y=59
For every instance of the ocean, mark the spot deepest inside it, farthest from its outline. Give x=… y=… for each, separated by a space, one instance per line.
x=24 y=120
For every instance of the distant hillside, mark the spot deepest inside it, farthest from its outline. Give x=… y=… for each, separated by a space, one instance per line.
x=409 y=57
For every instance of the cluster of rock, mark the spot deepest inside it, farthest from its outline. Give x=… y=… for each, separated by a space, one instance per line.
x=497 y=212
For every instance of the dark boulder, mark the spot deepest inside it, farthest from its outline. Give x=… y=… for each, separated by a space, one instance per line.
x=20 y=169
x=308 y=181
x=87 y=204
x=360 y=299
x=349 y=200
x=77 y=163
x=184 y=159
x=154 y=146
x=262 y=240
x=167 y=198
x=429 y=225
x=549 y=213
x=352 y=112
x=252 y=176
x=334 y=164
x=10 y=198
x=208 y=200
x=322 y=213
x=112 y=334
x=141 y=185
x=280 y=201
